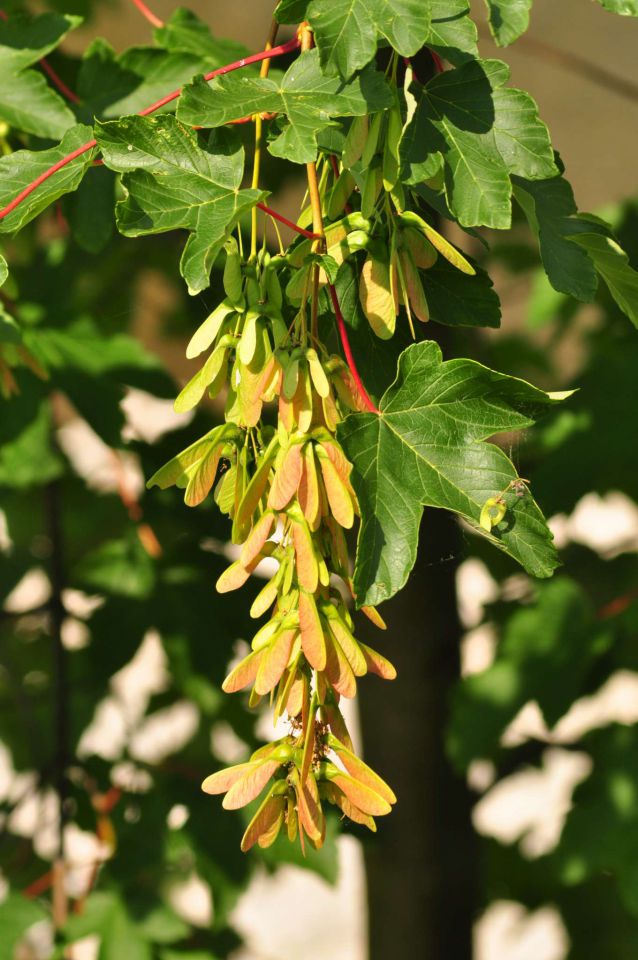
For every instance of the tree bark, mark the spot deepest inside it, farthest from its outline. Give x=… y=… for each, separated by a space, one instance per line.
x=421 y=864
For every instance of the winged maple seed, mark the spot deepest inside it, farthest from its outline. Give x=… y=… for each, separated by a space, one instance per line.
x=297 y=773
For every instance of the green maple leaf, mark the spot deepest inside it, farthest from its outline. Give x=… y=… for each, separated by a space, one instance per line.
x=612 y=264
x=452 y=33
x=551 y=211
x=304 y=95
x=19 y=169
x=291 y=11
x=484 y=132
x=508 y=19
x=456 y=299
x=173 y=183
x=626 y=8
x=26 y=100
x=577 y=248
x=426 y=448
x=347 y=33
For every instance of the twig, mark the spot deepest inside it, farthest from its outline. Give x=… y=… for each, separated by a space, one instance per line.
x=259 y=125
x=148 y=14
x=289 y=223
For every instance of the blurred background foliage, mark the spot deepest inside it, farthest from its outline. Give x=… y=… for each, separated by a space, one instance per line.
x=99 y=574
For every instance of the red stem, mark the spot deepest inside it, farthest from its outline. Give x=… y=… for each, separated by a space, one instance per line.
x=438 y=63
x=45 y=176
x=148 y=14
x=288 y=223
x=39 y=886
x=59 y=82
x=254 y=58
x=48 y=69
x=345 y=343
x=439 y=66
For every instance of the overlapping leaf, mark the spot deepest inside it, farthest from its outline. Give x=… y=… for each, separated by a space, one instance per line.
x=172 y=182
x=612 y=264
x=484 y=132
x=508 y=19
x=459 y=300
x=291 y=11
x=26 y=100
x=304 y=95
x=21 y=168
x=550 y=209
x=576 y=248
x=347 y=34
x=426 y=448
x=626 y=8
x=453 y=33
x=113 y=84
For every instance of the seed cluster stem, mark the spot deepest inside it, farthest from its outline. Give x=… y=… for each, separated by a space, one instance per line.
x=259 y=131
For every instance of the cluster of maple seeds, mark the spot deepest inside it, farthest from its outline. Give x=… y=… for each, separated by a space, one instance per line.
x=288 y=489
x=289 y=495
x=300 y=778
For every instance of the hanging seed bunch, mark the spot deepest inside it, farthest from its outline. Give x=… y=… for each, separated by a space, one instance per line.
x=287 y=491
x=287 y=488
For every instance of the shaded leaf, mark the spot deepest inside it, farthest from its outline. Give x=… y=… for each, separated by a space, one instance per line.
x=484 y=132
x=612 y=263
x=19 y=169
x=550 y=209
x=26 y=100
x=509 y=19
x=172 y=182
x=427 y=447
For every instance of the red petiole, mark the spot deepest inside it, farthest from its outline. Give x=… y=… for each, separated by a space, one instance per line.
x=345 y=343
x=148 y=14
x=289 y=223
x=90 y=144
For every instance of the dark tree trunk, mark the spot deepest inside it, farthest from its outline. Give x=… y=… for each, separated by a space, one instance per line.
x=421 y=864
